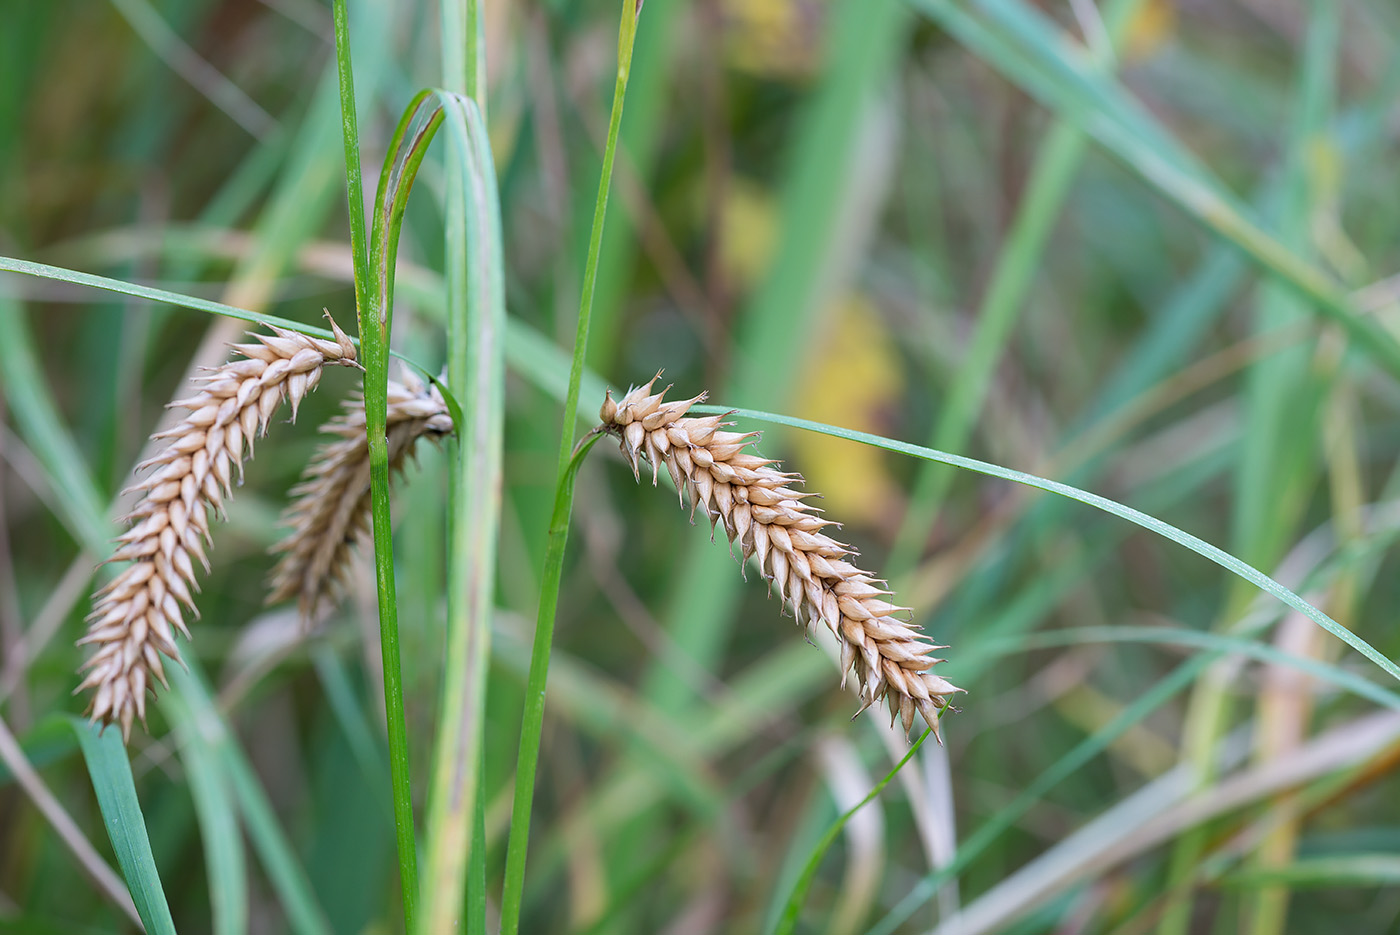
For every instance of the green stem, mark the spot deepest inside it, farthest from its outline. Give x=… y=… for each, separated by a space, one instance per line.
x=627 y=33
x=532 y=720
x=372 y=304
x=793 y=910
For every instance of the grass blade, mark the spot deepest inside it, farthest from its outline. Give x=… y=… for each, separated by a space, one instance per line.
x=281 y=865
x=44 y=270
x=1343 y=870
x=476 y=375
x=1151 y=524
x=126 y=826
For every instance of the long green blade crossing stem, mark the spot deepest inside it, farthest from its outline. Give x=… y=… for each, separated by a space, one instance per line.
x=1220 y=557
x=373 y=287
x=532 y=721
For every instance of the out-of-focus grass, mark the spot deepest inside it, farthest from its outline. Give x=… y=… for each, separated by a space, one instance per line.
x=790 y=170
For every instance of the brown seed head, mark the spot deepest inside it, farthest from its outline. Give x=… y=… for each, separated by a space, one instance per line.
x=330 y=510
x=135 y=618
x=765 y=516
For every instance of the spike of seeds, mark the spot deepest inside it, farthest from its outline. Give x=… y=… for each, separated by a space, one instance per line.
x=769 y=520
x=330 y=510
x=134 y=616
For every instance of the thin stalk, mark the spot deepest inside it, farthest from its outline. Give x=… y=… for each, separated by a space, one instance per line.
x=476 y=57
x=532 y=721
x=792 y=911
x=374 y=322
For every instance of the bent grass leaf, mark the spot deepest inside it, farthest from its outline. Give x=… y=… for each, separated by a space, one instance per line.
x=107 y=765
x=1219 y=556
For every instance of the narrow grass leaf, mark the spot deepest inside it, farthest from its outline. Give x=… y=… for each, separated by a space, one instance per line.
x=164 y=296
x=1165 y=636
x=1350 y=870
x=476 y=374
x=107 y=765
x=1151 y=524
x=282 y=867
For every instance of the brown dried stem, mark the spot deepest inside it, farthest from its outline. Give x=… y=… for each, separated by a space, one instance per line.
x=769 y=521
x=135 y=617
x=330 y=511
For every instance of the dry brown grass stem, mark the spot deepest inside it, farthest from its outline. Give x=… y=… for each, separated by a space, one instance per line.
x=135 y=618
x=767 y=519
x=330 y=511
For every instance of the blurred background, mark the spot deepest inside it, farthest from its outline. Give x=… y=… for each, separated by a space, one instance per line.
x=990 y=226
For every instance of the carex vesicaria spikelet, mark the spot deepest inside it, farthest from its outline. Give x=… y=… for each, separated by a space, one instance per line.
x=767 y=518
x=330 y=509
x=135 y=617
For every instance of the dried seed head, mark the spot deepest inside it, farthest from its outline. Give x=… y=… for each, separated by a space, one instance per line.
x=767 y=519
x=330 y=510
x=135 y=618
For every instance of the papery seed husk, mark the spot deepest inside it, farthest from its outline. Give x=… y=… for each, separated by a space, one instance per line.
x=770 y=521
x=134 y=618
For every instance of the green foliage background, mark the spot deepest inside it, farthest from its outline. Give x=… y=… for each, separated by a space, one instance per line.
x=1147 y=248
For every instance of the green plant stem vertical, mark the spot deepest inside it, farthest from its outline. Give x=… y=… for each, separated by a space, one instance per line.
x=373 y=307
x=532 y=721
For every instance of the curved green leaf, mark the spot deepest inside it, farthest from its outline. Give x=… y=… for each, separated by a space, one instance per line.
x=1150 y=523
x=110 y=771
